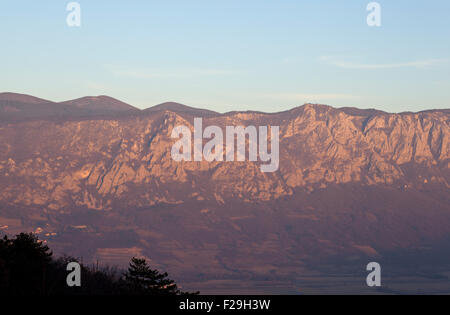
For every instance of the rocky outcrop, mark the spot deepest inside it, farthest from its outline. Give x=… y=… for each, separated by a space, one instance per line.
x=102 y=163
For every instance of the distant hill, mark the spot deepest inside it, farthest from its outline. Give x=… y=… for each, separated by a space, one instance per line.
x=21 y=98
x=100 y=104
x=181 y=109
x=20 y=107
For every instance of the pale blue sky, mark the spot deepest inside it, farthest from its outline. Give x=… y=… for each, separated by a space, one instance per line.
x=231 y=55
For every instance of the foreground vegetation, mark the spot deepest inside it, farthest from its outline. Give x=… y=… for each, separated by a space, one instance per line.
x=27 y=267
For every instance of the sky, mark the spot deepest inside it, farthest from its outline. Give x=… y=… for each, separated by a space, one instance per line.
x=230 y=55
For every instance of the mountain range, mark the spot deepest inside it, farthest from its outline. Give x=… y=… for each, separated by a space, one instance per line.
x=95 y=178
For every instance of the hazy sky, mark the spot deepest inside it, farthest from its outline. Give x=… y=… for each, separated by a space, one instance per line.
x=231 y=54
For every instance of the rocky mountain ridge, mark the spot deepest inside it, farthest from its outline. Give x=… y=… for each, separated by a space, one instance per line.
x=95 y=163
x=351 y=183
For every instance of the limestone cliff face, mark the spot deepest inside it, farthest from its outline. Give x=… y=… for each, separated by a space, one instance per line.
x=103 y=163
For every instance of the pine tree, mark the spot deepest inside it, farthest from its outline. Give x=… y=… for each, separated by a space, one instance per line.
x=24 y=261
x=141 y=279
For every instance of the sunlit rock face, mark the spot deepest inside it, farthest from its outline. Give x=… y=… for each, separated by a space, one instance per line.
x=96 y=163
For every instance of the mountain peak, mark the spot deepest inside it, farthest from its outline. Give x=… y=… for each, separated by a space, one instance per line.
x=181 y=109
x=101 y=102
x=21 y=98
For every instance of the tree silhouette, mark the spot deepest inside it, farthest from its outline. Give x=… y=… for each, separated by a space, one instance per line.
x=142 y=280
x=24 y=260
x=28 y=268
